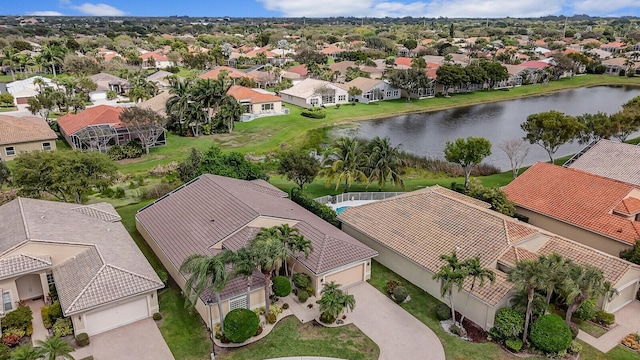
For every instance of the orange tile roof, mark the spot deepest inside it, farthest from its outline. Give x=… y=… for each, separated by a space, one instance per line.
x=98 y=115
x=628 y=206
x=575 y=197
x=155 y=56
x=299 y=69
x=403 y=61
x=14 y=130
x=233 y=73
x=243 y=93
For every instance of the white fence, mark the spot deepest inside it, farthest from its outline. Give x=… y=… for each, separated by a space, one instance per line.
x=354 y=196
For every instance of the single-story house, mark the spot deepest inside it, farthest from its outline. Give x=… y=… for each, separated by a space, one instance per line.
x=593 y=210
x=212 y=213
x=312 y=92
x=157 y=103
x=23 y=90
x=105 y=83
x=615 y=65
x=22 y=134
x=611 y=159
x=99 y=127
x=412 y=230
x=155 y=60
x=233 y=73
x=256 y=102
x=372 y=90
x=160 y=78
x=102 y=279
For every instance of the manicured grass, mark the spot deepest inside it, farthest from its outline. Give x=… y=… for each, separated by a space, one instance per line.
x=291 y=338
x=591 y=329
x=128 y=215
x=7 y=109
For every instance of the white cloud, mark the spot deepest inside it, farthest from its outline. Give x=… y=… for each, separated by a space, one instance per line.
x=45 y=13
x=98 y=9
x=603 y=7
x=434 y=8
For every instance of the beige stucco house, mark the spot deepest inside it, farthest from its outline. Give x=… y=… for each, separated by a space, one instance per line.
x=256 y=102
x=23 y=134
x=102 y=279
x=411 y=231
x=596 y=211
x=372 y=90
x=312 y=92
x=212 y=213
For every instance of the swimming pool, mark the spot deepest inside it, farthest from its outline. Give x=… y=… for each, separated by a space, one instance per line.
x=341 y=209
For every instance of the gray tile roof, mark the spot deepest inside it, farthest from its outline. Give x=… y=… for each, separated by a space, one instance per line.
x=110 y=256
x=613 y=160
x=21 y=264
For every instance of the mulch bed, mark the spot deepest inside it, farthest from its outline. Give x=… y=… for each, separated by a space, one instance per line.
x=474 y=331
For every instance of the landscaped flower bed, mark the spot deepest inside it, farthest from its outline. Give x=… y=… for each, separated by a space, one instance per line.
x=632 y=341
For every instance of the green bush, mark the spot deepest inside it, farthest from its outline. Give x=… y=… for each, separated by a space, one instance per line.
x=157 y=316
x=115 y=153
x=12 y=336
x=400 y=294
x=111 y=94
x=62 y=327
x=321 y=210
x=575 y=347
x=514 y=344
x=604 y=318
x=314 y=113
x=119 y=193
x=392 y=285
x=327 y=318
x=44 y=312
x=586 y=311
x=456 y=330
x=301 y=280
x=507 y=324
x=240 y=325
x=5 y=352
x=281 y=286
x=19 y=318
x=443 y=311
x=550 y=334
x=55 y=311
x=285 y=306
x=303 y=296
x=271 y=318
x=82 y=339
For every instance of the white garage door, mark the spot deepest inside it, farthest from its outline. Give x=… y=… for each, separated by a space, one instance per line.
x=113 y=317
x=347 y=277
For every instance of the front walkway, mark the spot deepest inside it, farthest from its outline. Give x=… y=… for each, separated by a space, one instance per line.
x=399 y=335
x=628 y=320
x=39 y=332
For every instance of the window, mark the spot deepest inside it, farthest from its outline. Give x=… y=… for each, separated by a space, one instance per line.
x=268 y=106
x=46 y=146
x=342 y=97
x=388 y=94
x=50 y=279
x=238 y=303
x=10 y=151
x=396 y=93
x=313 y=102
x=6 y=299
x=328 y=99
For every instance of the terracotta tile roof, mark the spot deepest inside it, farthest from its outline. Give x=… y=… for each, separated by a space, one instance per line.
x=535 y=64
x=515 y=254
x=575 y=197
x=97 y=115
x=331 y=49
x=155 y=56
x=299 y=69
x=628 y=206
x=613 y=160
x=231 y=72
x=403 y=61
x=254 y=96
x=14 y=130
x=22 y=264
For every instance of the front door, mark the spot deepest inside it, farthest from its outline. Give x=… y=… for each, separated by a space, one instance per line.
x=29 y=287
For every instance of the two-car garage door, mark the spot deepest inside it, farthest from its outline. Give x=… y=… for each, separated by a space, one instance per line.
x=347 y=277
x=110 y=318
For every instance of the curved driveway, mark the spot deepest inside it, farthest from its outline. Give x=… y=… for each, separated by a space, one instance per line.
x=399 y=335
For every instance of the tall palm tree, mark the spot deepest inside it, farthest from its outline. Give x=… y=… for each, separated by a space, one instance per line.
x=346 y=163
x=583 y=283
x=178 y=104
x=53 y=54
x=209 y=93
x=451 y=274
x=206 y=273
x=477 y=273
x=55 y=348
x=384 y=162
x=244 y=264
x=334 y=300
x=527 y=276
x=299 y=245
x=555 y=270
x=270 y=253
x=229 y=112
x=26 y=352
x=10 y=59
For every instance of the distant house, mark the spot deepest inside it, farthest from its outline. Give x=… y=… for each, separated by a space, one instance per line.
x=615 y=65
x=160 y=79
x=102 y=279
x=332 y=51
x=311 y=92
x=107 y=82
x=23 y=134
x=411 y=231
x=613 y=160
x=613 y=47
x=593 y=210
x=233 y=73
x=157 y=103
x=98 y=128
x=23 y=90
x=372 y=90
x=256 y=102
x=155 y=60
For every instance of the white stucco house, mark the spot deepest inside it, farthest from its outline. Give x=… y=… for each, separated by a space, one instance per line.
x=312 y=92
x=372 y=90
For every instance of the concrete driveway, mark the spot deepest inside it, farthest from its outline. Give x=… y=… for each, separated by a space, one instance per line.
x=140 y=340
x=399 y=335
x=628 y=322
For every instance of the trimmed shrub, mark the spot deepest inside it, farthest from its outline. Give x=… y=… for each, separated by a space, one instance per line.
x=82 y=339
x=303 y=296
x=550 y=334
x=240 y=324
x=19 y=318
x=271 y=318
x=301 y=280
x=586 y=311
x=604 y=318
x=392 y=285
x=514 y=344
x=443 y=312
x=575 y=347
x=62 y=327
x=573 y=327
x=400 y=294
x=281 y=286
x=275 y=309
x=456 y=330
x=285 y=306
x=327 y=318
x=5 y=352
x=157 y=316
x=507 y=324
x=44 y=312
x=55 y=311
x=314 y=113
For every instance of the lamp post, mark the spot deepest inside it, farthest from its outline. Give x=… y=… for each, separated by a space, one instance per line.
x=211 y=334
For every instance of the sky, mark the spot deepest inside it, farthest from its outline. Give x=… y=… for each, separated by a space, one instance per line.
x=324 y=8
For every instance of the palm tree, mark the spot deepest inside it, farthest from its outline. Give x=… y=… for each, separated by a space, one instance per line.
x=334 y=300
x=299 y=245
x=209 y=93
x=178 y=104
x=206 y=273
x=555 y=269
x=527 y=276
x=346 y=163
x=384 y=162
x=229 y=112
x=583 y=283
x=55 y=348
x=418 y=63
x=270 y=253
x=52 y=54
x=10 y=59
x=477 y=273
x=244 y=264
x=26 y=352
x=453 y=273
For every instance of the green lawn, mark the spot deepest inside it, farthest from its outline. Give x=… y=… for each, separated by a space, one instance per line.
x=291 y=338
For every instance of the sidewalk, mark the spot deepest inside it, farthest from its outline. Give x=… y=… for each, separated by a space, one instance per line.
x=628 y=320
x=39 y=332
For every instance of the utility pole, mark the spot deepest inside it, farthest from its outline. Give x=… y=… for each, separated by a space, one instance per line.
x=564 y=31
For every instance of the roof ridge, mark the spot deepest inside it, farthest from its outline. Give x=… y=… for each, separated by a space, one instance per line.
x=24 y=219
x=212 y=178
x=323 y=251
x=38 y=259
x=132 y=273
x=87 y=285
x=580 y=171
x=117 y=216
